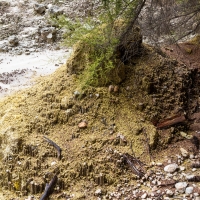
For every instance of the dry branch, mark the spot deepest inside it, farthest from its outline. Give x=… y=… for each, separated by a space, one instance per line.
x=49 y=188
x=170 y=122
x=58 y=149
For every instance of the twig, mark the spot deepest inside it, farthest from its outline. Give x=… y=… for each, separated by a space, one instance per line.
x=58 y=149
x=131 y=165
x=49 y=188
x=170 y=122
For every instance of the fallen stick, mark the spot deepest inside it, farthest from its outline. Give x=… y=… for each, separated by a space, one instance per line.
x=170 y=122
x=132 y=166
x=49 y=188
x=58 y=149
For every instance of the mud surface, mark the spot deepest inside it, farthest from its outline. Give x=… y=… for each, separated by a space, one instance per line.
x=20 y=71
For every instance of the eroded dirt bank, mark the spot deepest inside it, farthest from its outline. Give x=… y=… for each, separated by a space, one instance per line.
x=98 y=129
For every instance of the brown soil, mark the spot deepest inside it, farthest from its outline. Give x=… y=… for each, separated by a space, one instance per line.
x=186 y=53
x=155 y=88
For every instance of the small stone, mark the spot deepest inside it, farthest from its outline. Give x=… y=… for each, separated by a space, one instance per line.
x=191 y=156
x=144 y=196
x=159 y=164
x=169 y=161
x=98 y=192
x=154 y=182
x=194 y=169
x=53 y=163
x=169 y=193
x=196 y=194
x=152 y=194
x=180 y=186
x=188 y=177
x=153 y=163
x=13 y=40
x=171 y=168
x=185 y=135
x=97 y=96
x=111 y=88
x=82 y=125
x=54 y=10
x=140 y=106
x=154 y=188
x=76 y=94
x=184 y=152
x=116 y=88
x=189 y=190
x=182 y=168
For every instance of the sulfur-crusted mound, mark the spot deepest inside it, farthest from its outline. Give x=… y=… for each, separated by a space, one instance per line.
x=95 y=129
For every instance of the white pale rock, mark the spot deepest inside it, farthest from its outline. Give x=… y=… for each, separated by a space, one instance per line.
x=144 y=196
x=188 y=176
x=196 y=194
x=180 y=186
x=191 y=156
x=171 y=168
x=182 y=168
x=189 y=190
x=184 y=152
x=169 y=193
x=98 y=192
x=159 y=164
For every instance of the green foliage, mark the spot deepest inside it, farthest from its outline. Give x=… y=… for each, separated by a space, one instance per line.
x=98 y=69
x=100 y=37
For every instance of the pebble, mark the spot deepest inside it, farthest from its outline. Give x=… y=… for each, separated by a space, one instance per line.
x=111 y=88
x=144 y=196
x=53 y=163
x=98 y=192
x=171 y=168
x=13 y=40
x=189 y=190
x=180 y=186
x=82 y=124
x=76 y=94
x=182 y=168
x=169 y=193
x=191 y=156
x=184 y=152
